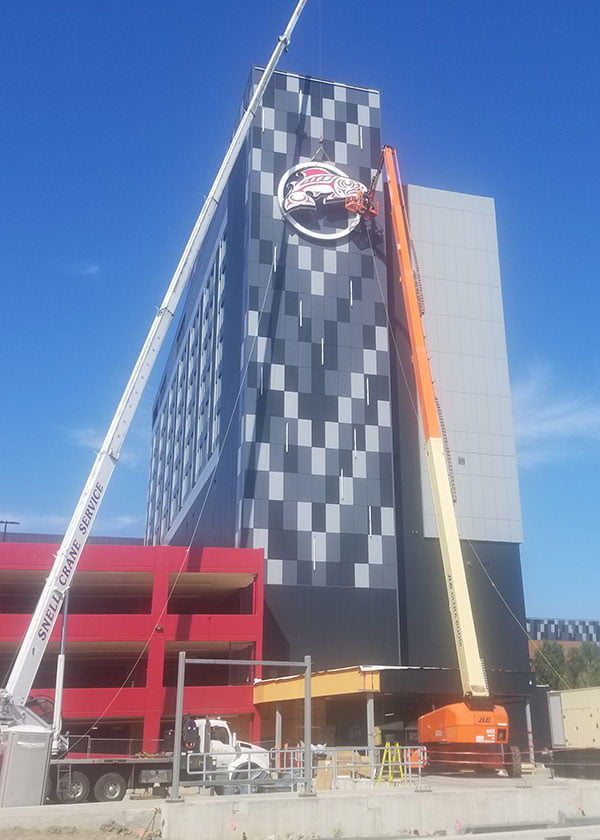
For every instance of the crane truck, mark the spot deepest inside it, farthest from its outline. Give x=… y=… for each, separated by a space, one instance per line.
x=210 y=756
x=474 y=732
x=25 y=738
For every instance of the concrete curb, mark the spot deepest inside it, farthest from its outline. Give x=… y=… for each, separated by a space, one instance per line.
x=392 y=812
x=549 y=808
x=134 y=816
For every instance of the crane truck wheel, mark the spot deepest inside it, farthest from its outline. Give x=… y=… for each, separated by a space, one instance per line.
x=110 y=787
x=73 y=787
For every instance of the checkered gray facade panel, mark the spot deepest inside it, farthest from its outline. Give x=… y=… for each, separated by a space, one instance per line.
x=315 y=460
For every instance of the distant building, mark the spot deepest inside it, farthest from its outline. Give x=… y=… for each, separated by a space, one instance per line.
x=563 y=630
x=51 y=539
x=285 y=419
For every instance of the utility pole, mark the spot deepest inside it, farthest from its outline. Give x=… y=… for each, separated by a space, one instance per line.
x=6 y=523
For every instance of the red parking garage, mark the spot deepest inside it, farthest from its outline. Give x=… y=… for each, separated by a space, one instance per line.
x=131 y=609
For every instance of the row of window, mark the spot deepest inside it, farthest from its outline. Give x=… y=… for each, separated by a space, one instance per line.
x=186 y=425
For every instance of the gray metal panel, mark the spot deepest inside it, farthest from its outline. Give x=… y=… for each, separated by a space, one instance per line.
x=457 y=252
x=24 y=756
x=577 y=726
x=557 y=729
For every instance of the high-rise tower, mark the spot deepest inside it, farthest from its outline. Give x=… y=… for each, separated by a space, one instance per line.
x=285 y=419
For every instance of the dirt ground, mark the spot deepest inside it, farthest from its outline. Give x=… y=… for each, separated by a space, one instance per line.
x=109 y=831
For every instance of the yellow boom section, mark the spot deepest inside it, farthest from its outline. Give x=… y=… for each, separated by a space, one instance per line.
x=474 y=683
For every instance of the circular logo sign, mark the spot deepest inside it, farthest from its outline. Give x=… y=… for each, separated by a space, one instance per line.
x=312 y=197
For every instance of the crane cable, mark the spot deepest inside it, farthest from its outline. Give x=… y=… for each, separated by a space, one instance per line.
x=210 y=481
x=416 y=414
x=513 y=614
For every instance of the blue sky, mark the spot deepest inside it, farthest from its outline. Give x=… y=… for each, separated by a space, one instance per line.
x=114 y=119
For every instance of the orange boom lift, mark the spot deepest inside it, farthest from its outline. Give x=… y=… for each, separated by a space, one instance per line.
x=474 y=732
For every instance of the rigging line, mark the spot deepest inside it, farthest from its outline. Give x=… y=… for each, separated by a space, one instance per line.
x=224 y=440
x=238 y=395
x=390 y=327
x=397 y=351
x=513 y=614
x=551 y=666
x=200 y=514
x=321 y=148
x=320 y=37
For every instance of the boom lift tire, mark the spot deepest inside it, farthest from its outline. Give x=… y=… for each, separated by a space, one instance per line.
x=72 y=787
x=111 y=787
